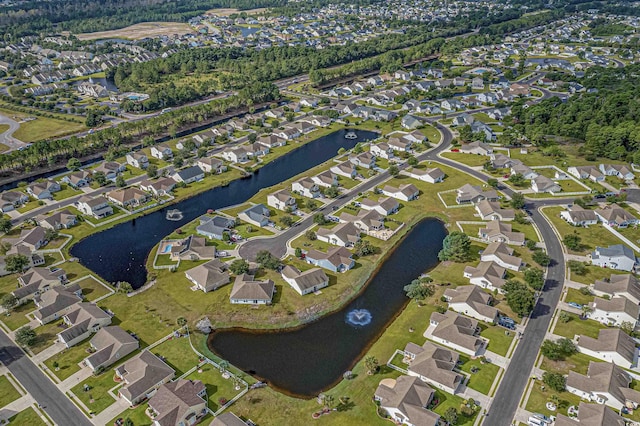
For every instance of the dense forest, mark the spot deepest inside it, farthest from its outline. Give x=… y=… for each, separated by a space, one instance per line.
x=606 y=118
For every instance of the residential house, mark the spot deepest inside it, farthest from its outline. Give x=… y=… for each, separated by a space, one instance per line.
x=256 y=215
x=462 y=120
x=43 y=190
x=406 y=192
x=248 y=291
x=617 y=256
x=84 y=320
x=306 y=187
x=11 y=200
x=410 y=122
x=384 y=206
x=36 y=281
x=336 y=259
x=236 y=155
x=543 y=184
x=59 y=220
x=365 y=160
x=182 y=402
x=592 y=415
x=501 y=254
x=473 y=194
x=491 y=210
x=275 y=140
x=126 y=197
x=470 y=300
x=191 y=248
x=209 y=276
x=305 y=282
x=405 y=400
x=215 y=227
x=434 y=365
x=487 y=275
x=381 y=150
x=618 y=170
x=110 y=344
x=343 y=235
x=501 y=161
x=189 y=175
x=33 y=239
x=578 y=216
x=227 y=419
x=605 y=383
x=497 y=231
x=111 y=169
x=346 y=169
x=287 y=133
x=615 y=216
x=625 y=285
x=211 y=165
x=282 y=200
x=457 y=332
x=433 y=175
x=614 y=312
x=78 y=179
x=612 y=345
x=56 y=302
x=158 y=187
x=586 y=172
x=325 y=179
x=400 y=144
x=523 y=170
x=137 y=159
x=303 y=127
x=478 y=148
x=97 y=207
x=142 y=375
x=161 y=152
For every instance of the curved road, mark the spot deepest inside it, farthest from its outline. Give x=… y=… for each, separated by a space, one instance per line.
x=6 y=137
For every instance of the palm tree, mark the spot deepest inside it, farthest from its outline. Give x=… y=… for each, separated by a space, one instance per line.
x=586 y=310
x=371 y=364
x=328 y=401
x=223 y=366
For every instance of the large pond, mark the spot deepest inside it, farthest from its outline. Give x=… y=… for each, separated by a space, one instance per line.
x=310 y=359
x=119 y=253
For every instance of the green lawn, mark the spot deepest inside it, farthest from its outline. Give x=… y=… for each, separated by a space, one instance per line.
x=66 y=191
x=17 y=317
x=574 y=295
x=177 y=353
x=165 y=260
x=46 y=336
x=472 y=160
x=576 y=325
x=96 y=398
x=137 y=415
x=483 y=378
x=8 y=392
x=27 y=417
x=30 y=205
x=92 y=289
x=42 y=127
x=432 y=134
x=217 y=386
x=594 y=273
x=499 y=338
x=538 y=399
x=577 y=362
x=68 y=360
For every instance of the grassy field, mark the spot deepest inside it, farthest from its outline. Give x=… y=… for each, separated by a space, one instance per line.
x=177 y=353
x=578 y=326
x=4 y=128
x=8 y=392
x=217 y=386
x=574 y=295
x=27 y=417
x=68 y=360
x=92 y=289
x=140 y=31
x=17 y=317
x=472 y=160
x=499 y=338
x=96 y=398
x=42 y=127
x=46 y=335
x=538 y=399
x=483 y=378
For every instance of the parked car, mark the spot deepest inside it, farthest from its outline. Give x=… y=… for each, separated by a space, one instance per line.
x=575 y=305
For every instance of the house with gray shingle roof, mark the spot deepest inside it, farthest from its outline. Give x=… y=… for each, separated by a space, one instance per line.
x=141 y=375
x=110 y=344
x=248 y=291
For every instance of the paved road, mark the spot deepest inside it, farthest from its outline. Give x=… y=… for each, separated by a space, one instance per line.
x=7 y=136
x=55 y=403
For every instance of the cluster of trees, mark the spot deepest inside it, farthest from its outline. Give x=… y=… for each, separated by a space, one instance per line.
x=605 y=119
x=455 y=247
x=48 y=153
x=559 y=350
x=520 y=298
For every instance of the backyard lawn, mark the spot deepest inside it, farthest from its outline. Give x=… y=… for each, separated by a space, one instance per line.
x=92 y=289
x=177 y=353
x=8 y=392
x=578 y=363
x=217 y=386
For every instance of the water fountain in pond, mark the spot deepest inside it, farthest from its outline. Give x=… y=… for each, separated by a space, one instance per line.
x=174 y=215
x=359 y=317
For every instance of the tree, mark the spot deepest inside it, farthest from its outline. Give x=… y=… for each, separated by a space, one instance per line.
x=5 y=224
x=577 y=267
x=541 y=258
x=8 y=301
x=394 y=170
x=100 y=178
x=517 y=201
x=51 y=234
x=517 y=179
x=341 y=151
x=239 y=266
x=152 y=170
x=413 y=161
x=572 y=241
x=418 y=290
x=312 y=205
x=181 y=321
x=492 y=182
x=120 y=182
x=25 y=336
x=555 y=381
x=534 y=277
x=73 y=164
x=320 y=219
x=328 y=401
x=371 y=364
x=286 y=220
x=267 y=260
x=16 y=262
x=519 y=297
x=363 y=248
x=451 y=416
x=124 y=287
x=298 y=252
x=559 y=350
x=252 y=137
x=331 y=192
x=456 y=247
x=311 y=236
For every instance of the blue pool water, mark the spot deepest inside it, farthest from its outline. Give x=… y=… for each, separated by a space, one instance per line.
x=167 y=248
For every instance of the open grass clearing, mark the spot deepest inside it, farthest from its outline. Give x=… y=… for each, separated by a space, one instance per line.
x=8 y=392
x=578 y=326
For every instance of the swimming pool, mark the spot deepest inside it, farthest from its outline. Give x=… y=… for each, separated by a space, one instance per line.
x=167 y=248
